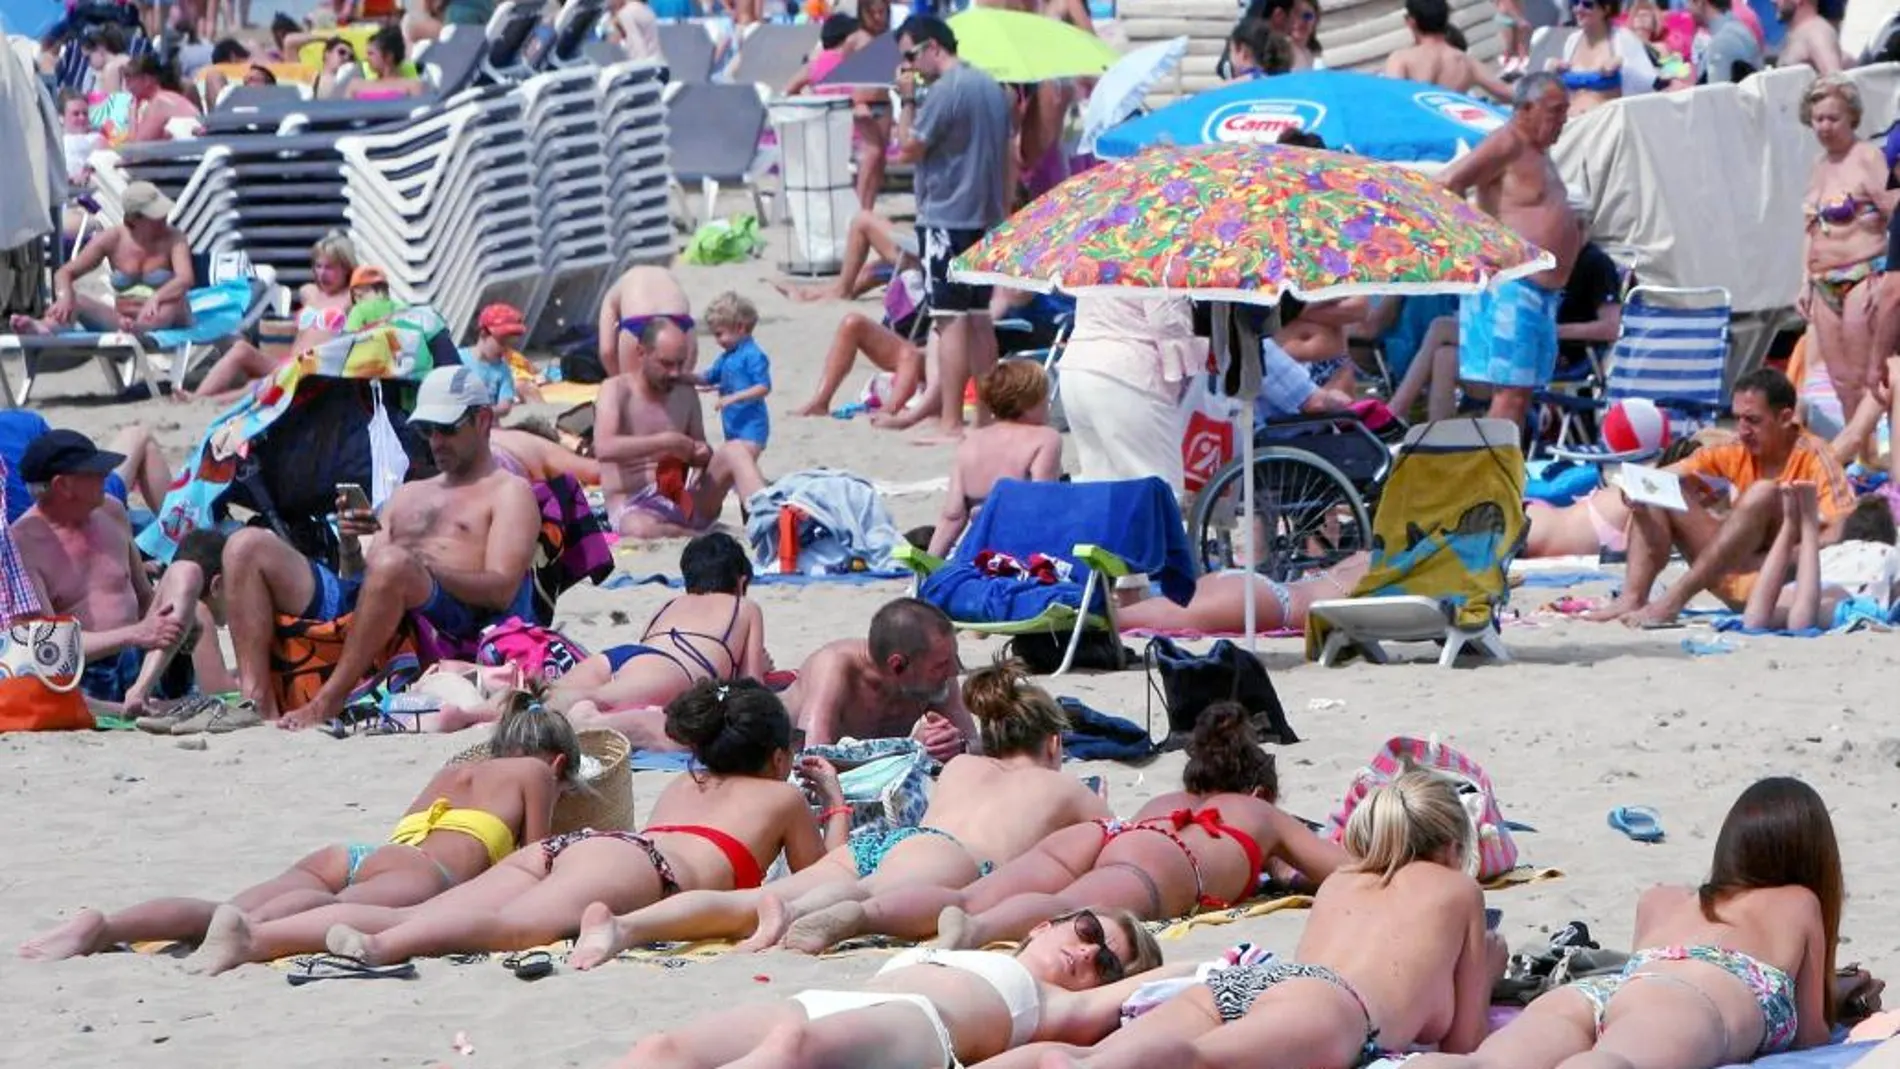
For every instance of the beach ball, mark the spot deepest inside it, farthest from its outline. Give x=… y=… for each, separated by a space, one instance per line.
x=1635 y=425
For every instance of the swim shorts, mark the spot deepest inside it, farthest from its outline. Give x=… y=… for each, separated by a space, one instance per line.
x=1507 y=335
x=947 y=298
x=333 y=596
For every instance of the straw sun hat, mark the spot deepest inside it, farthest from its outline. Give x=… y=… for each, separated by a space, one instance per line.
x=605 y=799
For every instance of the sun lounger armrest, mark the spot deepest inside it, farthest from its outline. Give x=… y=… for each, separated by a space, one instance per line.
x=916 y=559
x=1101 y=561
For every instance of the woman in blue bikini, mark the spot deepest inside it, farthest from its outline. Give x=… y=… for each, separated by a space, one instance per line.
x=713 y=631
x=1739 y=967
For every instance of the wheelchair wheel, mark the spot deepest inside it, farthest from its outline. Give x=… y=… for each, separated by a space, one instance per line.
x=1309 y=517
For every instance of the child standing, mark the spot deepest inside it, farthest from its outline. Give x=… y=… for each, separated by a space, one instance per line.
x=494 y=358
x=1516 y=31
x=742 y=375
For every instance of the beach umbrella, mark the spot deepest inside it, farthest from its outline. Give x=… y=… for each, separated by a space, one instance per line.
x=1011 y=46
x=1120 y=92
x=1364 y=114
x=1248 y=224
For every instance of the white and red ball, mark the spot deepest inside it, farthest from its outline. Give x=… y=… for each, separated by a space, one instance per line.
x=1636 y=425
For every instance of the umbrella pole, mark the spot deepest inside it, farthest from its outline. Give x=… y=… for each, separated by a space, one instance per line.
x=1227 y=337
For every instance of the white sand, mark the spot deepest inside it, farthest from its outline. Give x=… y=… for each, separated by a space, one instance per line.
x=1590 y=717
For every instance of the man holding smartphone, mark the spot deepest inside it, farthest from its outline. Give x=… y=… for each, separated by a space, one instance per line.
x=455 y=549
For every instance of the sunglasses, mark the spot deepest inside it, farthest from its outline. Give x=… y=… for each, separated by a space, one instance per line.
x=1309 y=16
x=1088 y=928
x=444 y=430
x=910 y=54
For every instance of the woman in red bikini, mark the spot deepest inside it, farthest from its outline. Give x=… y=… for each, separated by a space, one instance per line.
x=712 y=829
x=1206 y=845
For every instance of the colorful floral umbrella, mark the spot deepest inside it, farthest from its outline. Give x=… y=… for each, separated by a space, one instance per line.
x=1249 y=223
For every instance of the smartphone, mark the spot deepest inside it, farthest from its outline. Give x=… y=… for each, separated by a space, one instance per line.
x=354 y=497
x=1492 y=918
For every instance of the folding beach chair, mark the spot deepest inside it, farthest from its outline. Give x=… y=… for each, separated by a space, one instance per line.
x=1672 y=350
x=689 y=52
x=1547 y=46
x=1450 y=520
x=712 y=138
x=1097 y=531
x=772 y=54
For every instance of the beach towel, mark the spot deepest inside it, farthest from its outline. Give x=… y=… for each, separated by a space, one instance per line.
x=621 y=580
x=406 y=348
x=303 y=654
x=573 y=547
x=1496 y=850
x=1137 y=520
x=1096 y=736
x=845 y=526
x=17 y=596
x=1449 y=522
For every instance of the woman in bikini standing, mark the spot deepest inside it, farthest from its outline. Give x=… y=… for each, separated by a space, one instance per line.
x=715 y=827
x=986 y=809
x=1394 y=954
x=323 y=304
x=1739 y=967
x=1207 y=844
x=1846 y=246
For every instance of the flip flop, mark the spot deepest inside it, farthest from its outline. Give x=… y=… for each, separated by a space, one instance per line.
x=529 y=965
x=343 y=967
x=1641 y=823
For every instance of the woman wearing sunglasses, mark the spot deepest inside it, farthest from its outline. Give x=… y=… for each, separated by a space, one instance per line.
x=929 y=1007
x=1602 y=61
x=338 y=55
x=1395 y=954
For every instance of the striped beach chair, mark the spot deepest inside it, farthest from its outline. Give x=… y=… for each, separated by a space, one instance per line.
x=1672 y=350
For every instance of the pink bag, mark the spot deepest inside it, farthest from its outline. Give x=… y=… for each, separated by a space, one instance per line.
x=540 y=653
x=1497 y=852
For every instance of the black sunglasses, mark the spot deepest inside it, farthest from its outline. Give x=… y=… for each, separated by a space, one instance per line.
x=910 y=54
x=1108 y=966
x=443 y=430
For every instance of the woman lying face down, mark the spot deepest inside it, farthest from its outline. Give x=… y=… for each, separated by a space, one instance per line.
x=929 y=1007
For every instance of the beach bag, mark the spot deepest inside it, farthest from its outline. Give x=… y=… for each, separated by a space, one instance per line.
x=886 y=781
x=1496 y=850
x=725 y=241
x=539 y=652
x=41 y=659
x=1207 y=445
x=1190 y=682
x=388 y=460
x=303 y=653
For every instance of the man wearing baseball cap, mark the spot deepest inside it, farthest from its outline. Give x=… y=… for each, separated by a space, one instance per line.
x=77 y=547
x=145 y=300
x=493 y=356
x=455 y=549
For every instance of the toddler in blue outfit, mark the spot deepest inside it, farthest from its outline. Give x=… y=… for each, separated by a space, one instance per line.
x=742 y=374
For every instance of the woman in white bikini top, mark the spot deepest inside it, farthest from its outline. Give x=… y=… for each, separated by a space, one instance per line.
x=960 y=1006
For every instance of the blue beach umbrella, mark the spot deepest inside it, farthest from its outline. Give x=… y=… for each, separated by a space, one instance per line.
x=1379 y=118
x=30 y=18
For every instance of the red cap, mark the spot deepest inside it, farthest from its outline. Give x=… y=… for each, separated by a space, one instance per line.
x=502 y=321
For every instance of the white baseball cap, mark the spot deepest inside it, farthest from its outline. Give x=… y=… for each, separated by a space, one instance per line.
x=448 y=393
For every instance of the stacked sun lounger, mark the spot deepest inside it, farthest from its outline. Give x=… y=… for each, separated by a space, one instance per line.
x=634 y=124
x=497 y=186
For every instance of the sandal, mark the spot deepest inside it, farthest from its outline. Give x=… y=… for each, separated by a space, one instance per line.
x=344 y=967
x=529 y=964
x=1641 y=823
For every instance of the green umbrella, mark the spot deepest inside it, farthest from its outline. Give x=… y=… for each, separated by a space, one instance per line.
x=1011 y=46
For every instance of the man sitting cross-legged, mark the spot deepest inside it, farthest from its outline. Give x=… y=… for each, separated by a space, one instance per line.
x=458 y=551
x=1725 y=552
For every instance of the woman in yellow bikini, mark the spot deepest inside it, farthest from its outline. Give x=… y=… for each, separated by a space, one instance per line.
x=467 y=819
x=1846 y=238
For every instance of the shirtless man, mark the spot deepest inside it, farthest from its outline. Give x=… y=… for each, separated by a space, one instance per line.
x=637 y=297
x=78 y=552
x=902 y=681
x=458 y=552
x=1725 y=552
x=1431 y=58
x=1811 y=39
x=1507 y=335
x=650 y=437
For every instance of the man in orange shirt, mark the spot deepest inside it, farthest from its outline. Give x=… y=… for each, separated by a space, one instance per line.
x=1770 y=450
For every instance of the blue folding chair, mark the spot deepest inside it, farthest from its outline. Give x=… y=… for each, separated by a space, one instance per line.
x=1672 y=351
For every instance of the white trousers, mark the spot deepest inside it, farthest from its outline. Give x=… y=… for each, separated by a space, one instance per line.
x=1122 y=432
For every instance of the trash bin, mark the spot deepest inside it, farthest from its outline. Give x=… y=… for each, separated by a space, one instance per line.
x=815 y=182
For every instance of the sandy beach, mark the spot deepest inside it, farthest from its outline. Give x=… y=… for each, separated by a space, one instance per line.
x=1588 y=718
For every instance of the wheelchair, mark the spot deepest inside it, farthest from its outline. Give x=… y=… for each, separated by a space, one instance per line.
x=1316 y=481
